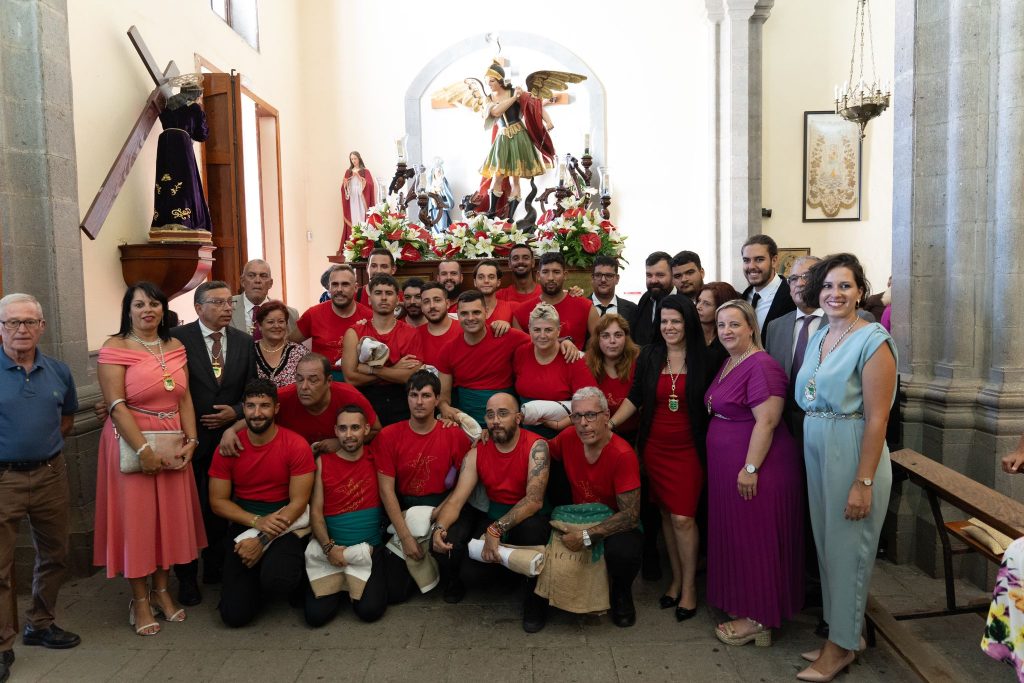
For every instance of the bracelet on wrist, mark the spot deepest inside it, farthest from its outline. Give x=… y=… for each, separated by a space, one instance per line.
x=255 y=519
x=138 y=451
x=329 y=546
x=494 y=531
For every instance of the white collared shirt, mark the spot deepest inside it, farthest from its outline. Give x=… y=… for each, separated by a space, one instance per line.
x=819 y=316
x=767 y=296
x=613 y=307
x=248 y=312
x=209 y=342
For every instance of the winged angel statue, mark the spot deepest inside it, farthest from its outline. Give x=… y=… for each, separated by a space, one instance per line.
x=520 y=144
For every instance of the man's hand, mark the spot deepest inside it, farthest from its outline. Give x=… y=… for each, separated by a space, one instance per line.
x=337 y=556
x=407 y=362
x=100 y=408
x=570 y=353
x=440 y=541
x=500 y=327
x=490 y=552
x=411 y=548
x=273 y=525
x=449 y=413
x=230 y=444
x=573 y=540
x=575 y=290
x=1012 y=462
x=223 y=416
x=330 y=445
x=250 y=550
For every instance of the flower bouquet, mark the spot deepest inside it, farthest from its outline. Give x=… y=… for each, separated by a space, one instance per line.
x=387 y=227
x=580 y=234
x=479 y=237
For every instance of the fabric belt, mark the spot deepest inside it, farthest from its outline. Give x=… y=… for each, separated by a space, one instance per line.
x=27 y=465
x=829 y=415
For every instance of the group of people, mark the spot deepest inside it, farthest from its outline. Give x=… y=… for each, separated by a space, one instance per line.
x=727 y=419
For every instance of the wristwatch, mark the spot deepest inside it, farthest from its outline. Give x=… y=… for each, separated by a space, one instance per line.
x=866 y=482
x=586 y=538
x=750 y=469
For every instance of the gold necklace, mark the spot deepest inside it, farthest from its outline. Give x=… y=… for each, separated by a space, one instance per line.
x=811 y=388
x=274 y=350
x=167 y=379
x=673 y=400
x=729 y=367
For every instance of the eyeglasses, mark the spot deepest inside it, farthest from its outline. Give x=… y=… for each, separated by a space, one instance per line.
x=585 y=417
x=13 y=325
x=220 y=302
x=793 y=279
x=503 y=414
x=604 y=276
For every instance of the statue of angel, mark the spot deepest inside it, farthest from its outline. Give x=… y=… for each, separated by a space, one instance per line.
x=520 y=144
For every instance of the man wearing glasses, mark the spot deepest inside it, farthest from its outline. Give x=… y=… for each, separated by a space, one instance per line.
x=604 y=278
x=37 y=409
x=221 y=361
x=603 y=468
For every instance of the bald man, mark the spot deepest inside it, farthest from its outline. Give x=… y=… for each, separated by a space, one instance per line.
x=256 y=284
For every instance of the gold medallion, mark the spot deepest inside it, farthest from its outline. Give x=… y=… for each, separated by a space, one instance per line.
x=216 y=371
x=168 y=383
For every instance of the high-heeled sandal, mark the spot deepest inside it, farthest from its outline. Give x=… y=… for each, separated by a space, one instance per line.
x=667 y=601
x=762 y=636
x=158 y=611
x=815 y=676
x=812 y=656
x=131 y=619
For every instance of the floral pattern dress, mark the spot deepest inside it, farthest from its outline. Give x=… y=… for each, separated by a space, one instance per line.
x=1004 y=631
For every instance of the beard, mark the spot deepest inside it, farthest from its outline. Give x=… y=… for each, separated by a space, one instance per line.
x=258 y=427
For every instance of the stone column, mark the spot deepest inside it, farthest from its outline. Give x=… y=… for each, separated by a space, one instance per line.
x=41 y=246
x=738 y=145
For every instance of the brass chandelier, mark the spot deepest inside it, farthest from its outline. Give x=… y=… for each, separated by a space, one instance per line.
x=860 y=101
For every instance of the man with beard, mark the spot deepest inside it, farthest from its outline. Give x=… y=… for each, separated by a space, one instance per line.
x=577 y=314
x=767 y=292
x=604 y=278
x=327 y=322
x=379 y=262
x=383 y=386
x=412 y=309
x=267 y=488
x=525 y=287
x=687 y=274
x=659 y=284
x=440 y=328
x=256 y=284
x=513 y=469
x=486 y=280
x=449 y=274
x=416 y=462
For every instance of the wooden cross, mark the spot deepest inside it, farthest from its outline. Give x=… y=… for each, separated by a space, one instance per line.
x=112 y=184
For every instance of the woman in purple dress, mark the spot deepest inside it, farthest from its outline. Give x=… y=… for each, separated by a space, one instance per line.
x=755 y=488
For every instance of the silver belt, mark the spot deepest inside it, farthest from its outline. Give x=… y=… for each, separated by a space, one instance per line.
x=163 y=415
x=829 y=415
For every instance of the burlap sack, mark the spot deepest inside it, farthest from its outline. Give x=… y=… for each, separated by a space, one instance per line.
x=573 y=581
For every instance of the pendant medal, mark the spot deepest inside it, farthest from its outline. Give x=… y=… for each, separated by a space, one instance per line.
x=673 y=403
x=168 y=383
x=216 y=371
x=810 y=390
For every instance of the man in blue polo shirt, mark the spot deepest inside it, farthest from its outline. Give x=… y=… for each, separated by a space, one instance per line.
x=37 y=408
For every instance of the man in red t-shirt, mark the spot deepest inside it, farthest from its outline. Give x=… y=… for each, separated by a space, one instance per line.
x=265 y=489
x=417 y=460
x=603 y=468
x=487 y=279
x=449 y=275
x=440 y=328
x=309 y=407
x=512 y=466
x=525 y=287
x=327 y=322
x=577 y=314
x=383 y=386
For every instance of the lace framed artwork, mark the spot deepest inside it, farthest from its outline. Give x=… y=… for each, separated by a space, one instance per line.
x=832 y=168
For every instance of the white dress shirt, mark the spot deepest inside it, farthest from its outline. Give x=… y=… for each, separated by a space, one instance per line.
x=209 y=342
x=819 y=316
x=249 y=324
x=613 y=307
x=767 y=296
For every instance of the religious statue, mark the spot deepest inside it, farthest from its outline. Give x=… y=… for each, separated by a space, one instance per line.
x=179 y=202
x=520 y=144
x=358 y=193
x=437 y=183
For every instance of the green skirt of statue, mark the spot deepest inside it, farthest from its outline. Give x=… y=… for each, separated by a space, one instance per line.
x=513 y=155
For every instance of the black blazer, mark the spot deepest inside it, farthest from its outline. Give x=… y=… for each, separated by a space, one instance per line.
x=645 y=386
x=781 y=304
x=239 y=368
x=643 y=326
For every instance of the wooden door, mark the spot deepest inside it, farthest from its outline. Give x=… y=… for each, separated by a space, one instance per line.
x=225 y=188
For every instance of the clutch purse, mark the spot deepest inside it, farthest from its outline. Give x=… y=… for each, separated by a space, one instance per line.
x=161 y=442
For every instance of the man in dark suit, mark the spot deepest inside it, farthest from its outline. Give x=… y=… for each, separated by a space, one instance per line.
x=604 y=278
x=658 y=274
x=767 y=292
x=256 y=284
x=687 y=274
x=221 y=360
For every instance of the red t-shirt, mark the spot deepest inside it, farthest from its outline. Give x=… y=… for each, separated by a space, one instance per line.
x=573 y=313
x=616 y=390
x=485 y=365
x=617 y=469
x=430 y=345
x=510 y=294
x=402 y=340
x=419 y=463
x=327 y=328
x=349 y=486
x=503 y=310
x=295 y=417
x=504 y=474
x=556 y=381
x=264 y=472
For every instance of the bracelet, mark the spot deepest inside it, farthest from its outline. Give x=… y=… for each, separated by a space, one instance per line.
x=138 y=451
x=435 y=527
x=255 y=519
x=328 y=547
x=113 y=404
x=493 y=531
x=192 y=439
x=611 y=423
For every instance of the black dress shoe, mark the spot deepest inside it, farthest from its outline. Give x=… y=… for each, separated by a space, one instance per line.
x=666 y=601
x=188 y=592
x=535 y=613
x=623 y=610
x=454 y=592
x=6 y=660
x=53 y=637
x=682 y=614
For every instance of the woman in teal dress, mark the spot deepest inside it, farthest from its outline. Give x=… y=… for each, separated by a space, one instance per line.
x=846 y=386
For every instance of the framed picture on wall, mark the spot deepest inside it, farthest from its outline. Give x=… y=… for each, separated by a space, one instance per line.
x=789 y=254
x=832 y=161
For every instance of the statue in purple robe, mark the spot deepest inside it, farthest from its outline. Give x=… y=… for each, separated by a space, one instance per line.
x=179 y=202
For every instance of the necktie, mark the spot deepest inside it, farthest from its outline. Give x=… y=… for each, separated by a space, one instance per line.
x=215 y=353
x=256 y=333
x=754 y=301
x=603 y=308
x=801 y=347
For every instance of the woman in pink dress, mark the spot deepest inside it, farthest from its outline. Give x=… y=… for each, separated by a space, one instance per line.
x=755 y=488
x=149 y=520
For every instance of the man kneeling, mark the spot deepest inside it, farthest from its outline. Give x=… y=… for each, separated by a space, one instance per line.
x=513 y=468
x=266 y=488
x=344 y=512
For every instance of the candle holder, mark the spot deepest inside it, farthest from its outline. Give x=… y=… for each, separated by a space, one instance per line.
x=606 y=201
x=402 y=174
x=423 y=200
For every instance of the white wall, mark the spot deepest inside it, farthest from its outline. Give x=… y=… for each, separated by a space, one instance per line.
x=806 y=54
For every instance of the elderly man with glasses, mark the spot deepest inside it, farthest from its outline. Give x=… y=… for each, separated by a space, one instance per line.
x=37 y=409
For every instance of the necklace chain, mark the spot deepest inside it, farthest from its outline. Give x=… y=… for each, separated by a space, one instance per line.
x=729 y=367
x=811 y=388
x=272 y=350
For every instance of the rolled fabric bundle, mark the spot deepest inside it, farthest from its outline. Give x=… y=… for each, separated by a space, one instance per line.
x=424 y=572
x=470 y=426
x=327 y=579
x=527 y=560
x=373 y=352
x=536 y=412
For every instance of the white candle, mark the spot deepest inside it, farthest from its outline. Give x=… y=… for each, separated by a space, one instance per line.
x=586 y=143
x=400 y=148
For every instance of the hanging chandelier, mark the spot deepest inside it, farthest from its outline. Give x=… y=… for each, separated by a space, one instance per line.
x=860 y=101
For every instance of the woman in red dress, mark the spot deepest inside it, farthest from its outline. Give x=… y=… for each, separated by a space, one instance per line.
x=668 y=389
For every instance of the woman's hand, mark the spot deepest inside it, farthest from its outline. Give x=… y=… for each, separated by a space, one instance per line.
x=1012 y=462
x=181 y=456
x=746 y=483
x=858 y=503
x=150 y=460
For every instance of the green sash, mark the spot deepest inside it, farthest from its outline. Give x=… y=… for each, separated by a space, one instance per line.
x=584 y=513
x=352 y=528
x=473 y=402
x=260 y=507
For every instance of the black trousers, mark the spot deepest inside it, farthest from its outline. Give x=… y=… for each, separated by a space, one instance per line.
x=370 y=607
x=281 y=570
x=216 y=527
x=622 y=556
x=401 y=585
x=389 y=401
x=534 y=530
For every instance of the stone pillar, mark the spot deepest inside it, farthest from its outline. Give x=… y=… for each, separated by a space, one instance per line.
x=738 y=144
x=41 y=246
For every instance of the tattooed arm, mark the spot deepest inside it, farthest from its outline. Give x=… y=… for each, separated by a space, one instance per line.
x=536 y=484
x=625 y=519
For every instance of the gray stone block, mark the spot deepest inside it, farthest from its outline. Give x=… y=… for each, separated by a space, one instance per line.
x=19 y=25
x=21 y=78
x=27 y=173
